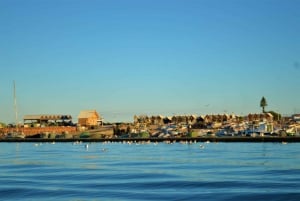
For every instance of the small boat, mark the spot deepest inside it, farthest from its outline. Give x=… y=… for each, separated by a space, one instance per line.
x=15 y=135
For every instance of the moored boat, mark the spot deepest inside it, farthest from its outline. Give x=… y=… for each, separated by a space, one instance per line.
x=14 y=135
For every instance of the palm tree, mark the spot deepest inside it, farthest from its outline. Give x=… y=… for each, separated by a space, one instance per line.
x=263 y=104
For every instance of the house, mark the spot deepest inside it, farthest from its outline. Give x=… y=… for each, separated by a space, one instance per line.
x=89 y=118
x=47 y=120
x=267 y=117
x=157 y=120
x=143 y=119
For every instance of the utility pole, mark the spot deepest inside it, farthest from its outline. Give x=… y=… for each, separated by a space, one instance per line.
x=15 y=105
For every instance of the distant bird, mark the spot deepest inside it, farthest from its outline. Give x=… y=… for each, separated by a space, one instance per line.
x=202 y=146
x=86 y=146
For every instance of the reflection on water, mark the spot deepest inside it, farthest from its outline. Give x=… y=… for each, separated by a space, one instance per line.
x=215 y=171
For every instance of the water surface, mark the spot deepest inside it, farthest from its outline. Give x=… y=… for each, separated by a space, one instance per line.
x=116 y=171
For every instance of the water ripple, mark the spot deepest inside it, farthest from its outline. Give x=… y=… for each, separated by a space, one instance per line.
x=223 y=171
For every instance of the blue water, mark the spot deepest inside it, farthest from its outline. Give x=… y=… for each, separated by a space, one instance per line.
x=116 y=171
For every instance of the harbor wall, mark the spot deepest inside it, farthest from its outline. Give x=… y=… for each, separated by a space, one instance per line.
x=39 y=130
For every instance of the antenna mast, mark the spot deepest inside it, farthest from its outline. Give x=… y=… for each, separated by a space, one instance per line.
x=15 y=105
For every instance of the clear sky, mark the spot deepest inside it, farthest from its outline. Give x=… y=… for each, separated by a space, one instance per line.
x=127 y=57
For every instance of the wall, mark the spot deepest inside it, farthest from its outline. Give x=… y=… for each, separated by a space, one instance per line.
x=39 y=130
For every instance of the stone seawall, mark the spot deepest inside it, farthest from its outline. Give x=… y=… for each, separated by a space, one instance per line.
x=39 y=130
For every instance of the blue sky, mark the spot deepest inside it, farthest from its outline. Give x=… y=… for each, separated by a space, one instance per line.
x=149 y=57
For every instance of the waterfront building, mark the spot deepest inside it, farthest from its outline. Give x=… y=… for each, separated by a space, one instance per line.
x=266 y=117
x=47 y=120
x=89 y=118
x=157 y=120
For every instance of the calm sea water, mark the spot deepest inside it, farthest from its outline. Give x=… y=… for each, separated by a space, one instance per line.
x=115 y=171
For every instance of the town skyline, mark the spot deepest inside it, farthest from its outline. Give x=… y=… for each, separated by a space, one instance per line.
x=160 y=57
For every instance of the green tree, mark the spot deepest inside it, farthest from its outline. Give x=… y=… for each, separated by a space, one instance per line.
x=263 y=104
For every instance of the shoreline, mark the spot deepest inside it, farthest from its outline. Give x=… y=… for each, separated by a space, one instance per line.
x=182 y=139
